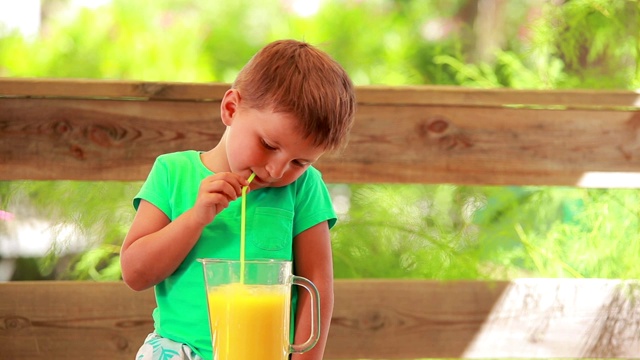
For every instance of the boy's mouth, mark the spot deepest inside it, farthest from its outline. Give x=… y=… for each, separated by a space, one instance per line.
x=258 y=181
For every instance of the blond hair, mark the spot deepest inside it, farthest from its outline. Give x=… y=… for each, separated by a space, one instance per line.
x=294 y=77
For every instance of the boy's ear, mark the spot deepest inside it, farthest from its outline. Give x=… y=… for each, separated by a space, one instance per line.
x=229 y=106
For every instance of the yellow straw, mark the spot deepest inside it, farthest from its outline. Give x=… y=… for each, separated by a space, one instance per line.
x=243 y=221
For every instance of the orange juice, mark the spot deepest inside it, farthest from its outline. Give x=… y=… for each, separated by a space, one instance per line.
x=249 y=322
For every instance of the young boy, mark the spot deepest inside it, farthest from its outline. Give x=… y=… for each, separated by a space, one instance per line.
x=289 y=105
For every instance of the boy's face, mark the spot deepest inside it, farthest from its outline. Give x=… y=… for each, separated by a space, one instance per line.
x=269 y=145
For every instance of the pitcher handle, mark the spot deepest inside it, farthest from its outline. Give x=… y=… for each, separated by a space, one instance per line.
x=315 y=316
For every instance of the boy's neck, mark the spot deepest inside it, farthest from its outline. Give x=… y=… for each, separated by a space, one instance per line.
x=216 y=158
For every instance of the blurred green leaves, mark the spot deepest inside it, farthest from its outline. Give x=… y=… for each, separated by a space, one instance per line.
x=535 y=44
x=393 y=231
x=455 y=232
x=406 y=231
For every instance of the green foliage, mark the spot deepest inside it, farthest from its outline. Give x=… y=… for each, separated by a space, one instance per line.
x=594 y=235
x=99 y=213
x=100 y=263
x=409 y=231
x=448 y=232
x=405 y=231
x=569 y=46
x=596 y=40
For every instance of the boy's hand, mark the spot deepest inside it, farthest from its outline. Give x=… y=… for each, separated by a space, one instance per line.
x=215 y=194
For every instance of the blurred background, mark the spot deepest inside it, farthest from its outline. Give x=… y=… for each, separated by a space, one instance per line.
x=73 y=230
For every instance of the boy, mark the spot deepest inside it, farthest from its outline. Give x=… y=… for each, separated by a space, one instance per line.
x=289 y=105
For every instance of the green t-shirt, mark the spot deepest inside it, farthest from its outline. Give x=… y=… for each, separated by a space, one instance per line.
x=274 y=217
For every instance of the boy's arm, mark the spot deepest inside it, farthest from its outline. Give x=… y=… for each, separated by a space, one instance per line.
x=313 y=260
x=155 y=246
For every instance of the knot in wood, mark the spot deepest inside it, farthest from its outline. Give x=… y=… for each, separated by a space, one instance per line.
x=435 y=127
x=133 y=323
x=438 y=125
x=77 y=152
x=62 y=127
x=106 y=135
x=373 y=320
x=14 y=323
x=121 y=343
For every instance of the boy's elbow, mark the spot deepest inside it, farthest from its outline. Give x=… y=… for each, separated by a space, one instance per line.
x=134 y=285
x=135 y=278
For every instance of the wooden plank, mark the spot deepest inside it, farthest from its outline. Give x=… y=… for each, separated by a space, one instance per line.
x=501 y=97
x=408 y=319
x=524 y=318
x=373 y=319
x=380 y=95
x=98 y=139
x=562 y=318
x=117 y=140
x=110 y=89
x=72 y=320
x=423 y=144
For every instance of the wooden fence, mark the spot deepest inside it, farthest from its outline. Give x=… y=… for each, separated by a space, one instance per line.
x=112 y=130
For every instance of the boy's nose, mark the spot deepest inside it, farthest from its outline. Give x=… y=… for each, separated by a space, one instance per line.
x=276 y=169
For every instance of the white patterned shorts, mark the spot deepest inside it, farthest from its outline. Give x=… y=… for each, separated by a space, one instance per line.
x=156 y=347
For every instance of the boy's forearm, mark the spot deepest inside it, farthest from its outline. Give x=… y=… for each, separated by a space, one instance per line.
x=303 y=323
x=153 y=258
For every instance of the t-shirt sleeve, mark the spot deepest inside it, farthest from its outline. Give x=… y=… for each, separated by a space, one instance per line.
x=313 y=203
x=154 y=189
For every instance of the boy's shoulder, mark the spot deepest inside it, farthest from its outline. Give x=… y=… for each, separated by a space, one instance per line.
x=310 y=174
x=182 y=162
x=179 y=157
x=311 y=177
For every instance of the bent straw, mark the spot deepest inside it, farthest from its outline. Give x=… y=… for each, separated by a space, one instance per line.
x=243 y=222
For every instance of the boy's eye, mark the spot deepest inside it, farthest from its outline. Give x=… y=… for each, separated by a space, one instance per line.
x=299 y=163
x=266 y=145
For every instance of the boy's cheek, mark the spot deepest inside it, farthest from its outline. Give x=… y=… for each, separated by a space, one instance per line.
x=291 y=177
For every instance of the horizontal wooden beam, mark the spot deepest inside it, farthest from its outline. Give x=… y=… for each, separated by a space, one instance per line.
x=48 y=139
x=109 y=130
x=110 y=89
x=381 y=95
x=373 y=319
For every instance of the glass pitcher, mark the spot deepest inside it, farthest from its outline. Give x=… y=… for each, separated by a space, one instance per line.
x=250 y=319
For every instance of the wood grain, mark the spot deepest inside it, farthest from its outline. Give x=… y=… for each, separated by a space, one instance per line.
x=72 y=320
x=373 y=319
x=400 y=319
x=98 y=139
x=109 y=89
x=73 y=139
x=381 y=95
